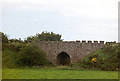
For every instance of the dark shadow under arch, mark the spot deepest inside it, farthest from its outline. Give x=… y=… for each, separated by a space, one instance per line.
x=63 y=59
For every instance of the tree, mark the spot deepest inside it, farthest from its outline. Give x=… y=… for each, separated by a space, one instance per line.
x=44 y=36
x=49 y=36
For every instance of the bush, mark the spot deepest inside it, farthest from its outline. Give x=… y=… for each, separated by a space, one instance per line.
x=31 y=55
x=15 y=46
x=9 y=59
x=10 y=54
x=104 y=59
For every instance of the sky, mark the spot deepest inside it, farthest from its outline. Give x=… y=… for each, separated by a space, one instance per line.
x=73 y=19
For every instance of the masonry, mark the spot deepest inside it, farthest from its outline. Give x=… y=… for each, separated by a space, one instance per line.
x=68 y=52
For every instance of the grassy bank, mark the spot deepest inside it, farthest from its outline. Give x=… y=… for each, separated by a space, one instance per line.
x=57 y=74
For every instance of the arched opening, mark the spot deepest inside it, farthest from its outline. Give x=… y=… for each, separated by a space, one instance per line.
x=63 y=59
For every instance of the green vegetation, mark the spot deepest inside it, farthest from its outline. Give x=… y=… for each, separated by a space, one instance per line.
x=9 y=59
x=103 y=59
x=21 y=55
x=44 y=36
x=57 y=74
x=17 y=53
x=31 y=55
x=25 y=60
x=16 y=41
x=4 y=40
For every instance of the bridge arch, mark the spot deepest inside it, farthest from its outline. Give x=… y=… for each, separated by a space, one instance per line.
x=63 y=59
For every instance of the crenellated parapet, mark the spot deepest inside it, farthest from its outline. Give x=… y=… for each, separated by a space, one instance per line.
x=94 y=45
x=83 y=41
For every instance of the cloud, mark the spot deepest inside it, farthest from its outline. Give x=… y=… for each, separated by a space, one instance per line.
x=69 y=8
x=87 y=18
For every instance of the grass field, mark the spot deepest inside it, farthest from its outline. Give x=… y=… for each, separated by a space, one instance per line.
x=57 y=74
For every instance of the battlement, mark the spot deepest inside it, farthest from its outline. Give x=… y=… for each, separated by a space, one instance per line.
x=78 y=41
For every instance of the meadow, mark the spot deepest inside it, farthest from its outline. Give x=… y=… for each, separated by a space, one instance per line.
x=43 y=73
x=31 y=63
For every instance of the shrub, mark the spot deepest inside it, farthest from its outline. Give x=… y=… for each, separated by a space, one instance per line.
x=9 y=59
x=31 y=55
x=15 y=46
x=10 y=53
x=104 y=59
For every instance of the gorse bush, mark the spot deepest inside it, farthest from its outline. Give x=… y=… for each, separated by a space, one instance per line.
x=15 y=46
x=31 y=55
x=10 y=54
x=104 y=59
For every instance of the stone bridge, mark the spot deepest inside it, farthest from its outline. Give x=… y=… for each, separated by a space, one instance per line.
x=68 y=52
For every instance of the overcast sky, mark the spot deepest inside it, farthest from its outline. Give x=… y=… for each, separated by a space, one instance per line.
x=73 y=19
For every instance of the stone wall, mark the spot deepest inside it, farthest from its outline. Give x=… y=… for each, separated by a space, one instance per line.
x=75 y=49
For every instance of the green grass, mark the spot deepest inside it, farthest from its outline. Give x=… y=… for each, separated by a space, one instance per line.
x=57 y=74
